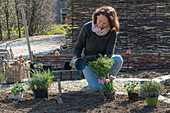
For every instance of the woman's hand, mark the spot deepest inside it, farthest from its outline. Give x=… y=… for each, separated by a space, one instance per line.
x=74 y=57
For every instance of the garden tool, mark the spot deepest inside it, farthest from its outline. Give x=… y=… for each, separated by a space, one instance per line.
x=26 y=30
x=27 y=37
x=59 y=98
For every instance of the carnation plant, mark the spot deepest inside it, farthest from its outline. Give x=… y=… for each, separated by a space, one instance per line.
x=101 y=68
x=108 y=83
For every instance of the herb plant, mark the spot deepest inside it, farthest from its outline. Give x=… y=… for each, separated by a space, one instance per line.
x=40 y=80
x=151 y=89
x=17 y=88
x=102 y=66
x=130 y=87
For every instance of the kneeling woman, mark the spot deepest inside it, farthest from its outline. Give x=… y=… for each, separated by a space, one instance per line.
x=98 y=37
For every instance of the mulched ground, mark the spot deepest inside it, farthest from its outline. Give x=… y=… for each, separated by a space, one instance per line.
x=75 y=102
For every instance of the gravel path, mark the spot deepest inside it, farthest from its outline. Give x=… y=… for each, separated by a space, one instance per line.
x=39 y=45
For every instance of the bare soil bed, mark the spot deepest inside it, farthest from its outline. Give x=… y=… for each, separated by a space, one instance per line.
x=148 y=74
x=75 y=102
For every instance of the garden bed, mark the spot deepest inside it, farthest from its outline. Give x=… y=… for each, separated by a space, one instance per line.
x=148 y=74
x=77 y=102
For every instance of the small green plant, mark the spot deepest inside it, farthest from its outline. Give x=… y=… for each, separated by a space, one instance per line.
x=151 y=89
x=17 y=88
x=102 y=66
x=40 y=80
x=2 y=78
x=131 y=87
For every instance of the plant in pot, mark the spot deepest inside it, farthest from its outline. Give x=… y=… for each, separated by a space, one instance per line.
x=101 y=68
x=151 y=91
x=2 y=79
x=17 y=90
x=132 y=91
x=40 y=82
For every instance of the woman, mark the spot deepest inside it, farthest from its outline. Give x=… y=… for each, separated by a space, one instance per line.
x=99 y=36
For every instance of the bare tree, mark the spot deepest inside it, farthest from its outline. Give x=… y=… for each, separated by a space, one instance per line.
x=17 y=14
x=0 y=22
x=7 y=18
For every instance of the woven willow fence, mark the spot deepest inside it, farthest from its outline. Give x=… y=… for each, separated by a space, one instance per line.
x=144 y=24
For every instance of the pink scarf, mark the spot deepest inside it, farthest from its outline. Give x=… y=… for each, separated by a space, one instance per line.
x=98 y=31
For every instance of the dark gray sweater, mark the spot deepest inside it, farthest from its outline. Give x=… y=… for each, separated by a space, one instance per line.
x=94 y=44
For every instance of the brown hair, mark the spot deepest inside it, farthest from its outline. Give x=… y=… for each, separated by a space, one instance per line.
x=111 y=15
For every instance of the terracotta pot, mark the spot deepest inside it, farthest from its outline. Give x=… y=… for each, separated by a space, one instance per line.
x=133 y=96
x=57 y=53
x=128 y=52
x=110 y=96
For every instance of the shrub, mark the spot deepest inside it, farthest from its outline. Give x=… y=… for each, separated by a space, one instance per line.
x=151 y=89
x=40 y=80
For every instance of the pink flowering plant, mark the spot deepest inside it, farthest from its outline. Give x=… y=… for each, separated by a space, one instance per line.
x=101 y=68
x=108 y=84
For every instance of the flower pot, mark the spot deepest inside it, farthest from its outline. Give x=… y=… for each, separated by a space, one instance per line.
x=133 y=96
x=151 y=101
x=110 y=96
x=19 y=96
x=40 y=93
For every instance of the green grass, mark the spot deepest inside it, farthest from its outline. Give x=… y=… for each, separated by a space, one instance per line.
x=59 y=28
x=51 y=30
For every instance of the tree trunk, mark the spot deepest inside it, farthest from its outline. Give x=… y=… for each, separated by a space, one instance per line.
x=32 y=20
x=7 y=19
x=0 y=24
x=0 y=31
x=18 y=23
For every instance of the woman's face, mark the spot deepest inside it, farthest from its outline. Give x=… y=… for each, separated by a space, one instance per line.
x=102 y=21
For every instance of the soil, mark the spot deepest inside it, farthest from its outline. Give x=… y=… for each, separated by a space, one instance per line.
x=167 y=92
x=75 y=102
x=147 y=74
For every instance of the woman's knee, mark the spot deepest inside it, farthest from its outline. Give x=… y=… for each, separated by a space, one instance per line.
x=118 y=59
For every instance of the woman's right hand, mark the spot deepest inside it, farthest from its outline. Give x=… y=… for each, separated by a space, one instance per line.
x=74 y=57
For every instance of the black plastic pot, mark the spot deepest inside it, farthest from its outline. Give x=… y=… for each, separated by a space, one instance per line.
x=40 y=93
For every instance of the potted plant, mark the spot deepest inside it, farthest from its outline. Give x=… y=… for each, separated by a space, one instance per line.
x=17 y=90
x=40 y=82
x=2 y=78
x=108 y=85
x=101 y=68
x=151 y=90
x=132 y=91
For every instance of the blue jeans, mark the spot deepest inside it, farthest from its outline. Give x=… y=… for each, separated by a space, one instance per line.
x=93 y=80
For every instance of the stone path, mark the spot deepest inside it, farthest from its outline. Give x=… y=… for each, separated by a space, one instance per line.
x=39 y=45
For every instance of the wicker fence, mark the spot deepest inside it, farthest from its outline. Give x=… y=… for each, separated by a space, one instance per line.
x=131 y=62
x=144 y=24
